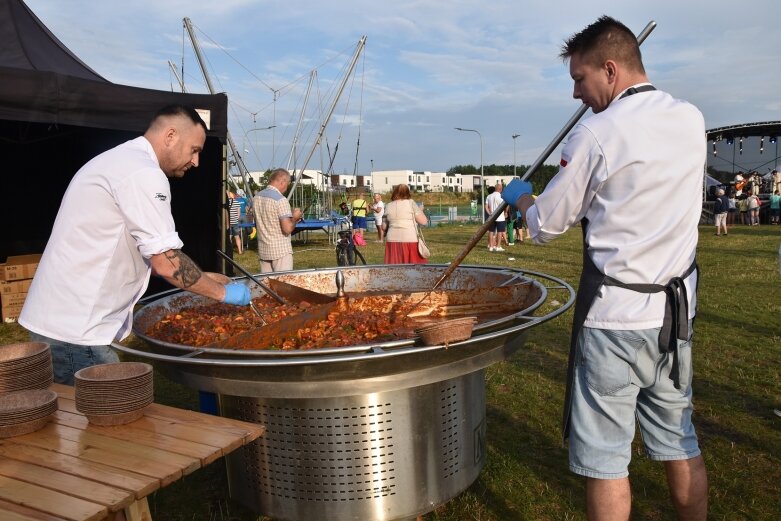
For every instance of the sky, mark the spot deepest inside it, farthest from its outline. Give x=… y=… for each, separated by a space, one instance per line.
x=428 y=66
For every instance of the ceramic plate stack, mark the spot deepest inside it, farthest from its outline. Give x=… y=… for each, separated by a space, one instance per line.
x=114 y=394
x=22 y=412
x=25 y=366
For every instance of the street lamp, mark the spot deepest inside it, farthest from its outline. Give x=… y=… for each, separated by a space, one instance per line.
x=244 y=142
x=482 y=184
x=515 y=163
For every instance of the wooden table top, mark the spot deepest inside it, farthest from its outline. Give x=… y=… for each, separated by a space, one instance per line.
x=71 y=470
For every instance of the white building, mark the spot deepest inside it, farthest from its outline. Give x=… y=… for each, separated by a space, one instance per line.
x=350 y=182
x=492 y=180
x=313 y=177
x=320 y=180
x=383 y=181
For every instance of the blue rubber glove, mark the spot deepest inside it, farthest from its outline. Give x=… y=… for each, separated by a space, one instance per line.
x=237 y=293
x=516 y=189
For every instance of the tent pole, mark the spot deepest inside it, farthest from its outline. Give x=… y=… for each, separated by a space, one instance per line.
x=224 y=213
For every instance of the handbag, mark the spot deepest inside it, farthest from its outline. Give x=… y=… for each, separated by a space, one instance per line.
x=423 y=250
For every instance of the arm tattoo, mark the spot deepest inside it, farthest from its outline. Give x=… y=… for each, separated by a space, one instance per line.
x=188 y=273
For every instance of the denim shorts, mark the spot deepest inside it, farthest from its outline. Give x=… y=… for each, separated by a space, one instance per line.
x=621 y=376
x=69 y=358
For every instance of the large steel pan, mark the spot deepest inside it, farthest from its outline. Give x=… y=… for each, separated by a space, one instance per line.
x=346 y=371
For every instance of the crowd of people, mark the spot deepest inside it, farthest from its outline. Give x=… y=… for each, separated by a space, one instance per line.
x=396 y=222
x=509 y=227
x=739 y=203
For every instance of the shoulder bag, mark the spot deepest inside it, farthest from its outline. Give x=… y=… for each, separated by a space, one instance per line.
x=422 y=248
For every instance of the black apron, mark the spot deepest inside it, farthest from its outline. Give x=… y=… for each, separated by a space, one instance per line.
x=676 y=315
x=674 y=327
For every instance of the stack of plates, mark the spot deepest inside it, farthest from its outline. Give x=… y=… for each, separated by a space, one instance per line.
x=25 y=366
x=22 y=412
x=114 y=394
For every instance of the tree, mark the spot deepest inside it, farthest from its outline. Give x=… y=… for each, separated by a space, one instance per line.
x=539 y=180
x=464 y=170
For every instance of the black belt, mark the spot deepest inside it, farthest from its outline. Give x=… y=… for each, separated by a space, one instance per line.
x=676 y=313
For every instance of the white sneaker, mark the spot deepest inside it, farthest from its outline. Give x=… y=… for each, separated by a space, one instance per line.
x=510 y=244
x=499 y=248
x=491 y=248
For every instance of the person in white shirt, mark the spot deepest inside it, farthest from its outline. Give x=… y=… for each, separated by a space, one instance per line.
x=379 y=210
x=775 y=181
x=113 y=229
x=499 y=226
x=630 y=174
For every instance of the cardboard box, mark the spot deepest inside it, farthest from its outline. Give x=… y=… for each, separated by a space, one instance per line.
x=19 y=267
x=11 y=305
x=8 y=287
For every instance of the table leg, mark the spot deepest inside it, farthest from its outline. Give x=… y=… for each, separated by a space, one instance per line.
x=136 y=511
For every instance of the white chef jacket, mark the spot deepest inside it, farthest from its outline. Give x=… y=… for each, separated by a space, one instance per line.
x=114 y=216
x=635 y=172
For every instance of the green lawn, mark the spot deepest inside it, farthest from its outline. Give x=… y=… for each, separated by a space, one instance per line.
x=737 y=349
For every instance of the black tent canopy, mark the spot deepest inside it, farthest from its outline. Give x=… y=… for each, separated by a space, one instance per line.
x=56 y=113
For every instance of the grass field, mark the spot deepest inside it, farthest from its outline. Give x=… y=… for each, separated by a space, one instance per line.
x=737 y=357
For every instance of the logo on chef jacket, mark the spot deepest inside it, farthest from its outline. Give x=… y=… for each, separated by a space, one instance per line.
x=161 y=197
x=565 y=159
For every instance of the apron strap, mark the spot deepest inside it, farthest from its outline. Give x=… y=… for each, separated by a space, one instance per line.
x=634 y=90
x=591 y=280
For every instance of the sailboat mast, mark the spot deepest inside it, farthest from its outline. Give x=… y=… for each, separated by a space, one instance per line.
x=358 y=50
x=176 y=75
x=291 y=158
x=201 y=63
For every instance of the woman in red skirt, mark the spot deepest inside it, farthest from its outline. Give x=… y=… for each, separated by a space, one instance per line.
x=401 y=237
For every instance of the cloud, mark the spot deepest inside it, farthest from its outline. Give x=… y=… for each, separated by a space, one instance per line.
x=428 y=65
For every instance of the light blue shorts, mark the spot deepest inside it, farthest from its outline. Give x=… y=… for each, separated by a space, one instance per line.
x=69 y=358
x=620 y=376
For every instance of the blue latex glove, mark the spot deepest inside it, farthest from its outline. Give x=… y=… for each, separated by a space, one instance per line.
x=237 y=293
x=516 y=189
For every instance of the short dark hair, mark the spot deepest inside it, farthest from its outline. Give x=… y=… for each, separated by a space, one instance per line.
x=605 y=39
x=180 y=110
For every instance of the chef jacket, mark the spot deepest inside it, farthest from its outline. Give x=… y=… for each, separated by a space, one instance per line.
x=114 y=216
x=634 y=171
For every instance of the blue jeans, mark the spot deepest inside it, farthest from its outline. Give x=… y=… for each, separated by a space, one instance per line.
x=621 y=378
x=69 y=358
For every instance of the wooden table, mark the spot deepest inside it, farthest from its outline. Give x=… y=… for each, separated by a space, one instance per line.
x=71 y=470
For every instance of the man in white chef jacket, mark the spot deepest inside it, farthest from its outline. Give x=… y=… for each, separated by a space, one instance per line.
x=113 y=229
x=631 y=175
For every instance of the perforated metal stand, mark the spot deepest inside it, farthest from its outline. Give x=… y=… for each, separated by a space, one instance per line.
x=376 y=456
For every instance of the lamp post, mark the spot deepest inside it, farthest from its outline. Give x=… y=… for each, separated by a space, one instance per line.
x=515 y=163
x=244 y=142
x=482 y=184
